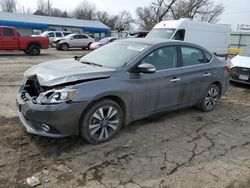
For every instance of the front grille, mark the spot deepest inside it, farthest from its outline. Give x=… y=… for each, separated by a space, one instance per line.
x=240 y=70
x=31 y=89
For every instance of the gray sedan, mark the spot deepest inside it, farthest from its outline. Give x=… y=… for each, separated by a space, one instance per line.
x=96 y=94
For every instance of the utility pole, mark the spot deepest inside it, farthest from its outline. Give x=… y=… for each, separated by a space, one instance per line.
x=49 y=8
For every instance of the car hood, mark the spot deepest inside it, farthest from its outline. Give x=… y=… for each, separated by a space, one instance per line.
x=241 y=61
x=65 y=71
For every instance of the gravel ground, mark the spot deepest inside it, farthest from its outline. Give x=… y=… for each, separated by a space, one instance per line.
x=187 y=148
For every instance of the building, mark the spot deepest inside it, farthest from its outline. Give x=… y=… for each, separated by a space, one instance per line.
x=32 y=24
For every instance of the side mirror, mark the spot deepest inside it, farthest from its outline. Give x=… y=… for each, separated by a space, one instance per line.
x=71 y=38
x=146 y=68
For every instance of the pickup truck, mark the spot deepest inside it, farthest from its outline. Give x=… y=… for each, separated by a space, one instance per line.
x=11 y=39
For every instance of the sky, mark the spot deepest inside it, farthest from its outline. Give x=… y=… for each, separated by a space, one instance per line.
x=236 y=11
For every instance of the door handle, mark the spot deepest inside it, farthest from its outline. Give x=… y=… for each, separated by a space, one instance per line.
x=175 y=80
x=207 y=74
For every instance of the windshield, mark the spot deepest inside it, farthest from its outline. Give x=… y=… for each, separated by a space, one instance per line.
x=115 y=54
x=245 y=52
x=164 y=33
x=70 y=35
x=44 y=33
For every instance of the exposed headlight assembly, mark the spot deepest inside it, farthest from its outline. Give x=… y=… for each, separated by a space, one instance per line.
x=56 y=96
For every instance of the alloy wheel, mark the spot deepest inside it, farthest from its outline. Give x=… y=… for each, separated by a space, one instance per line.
x=104 y=122
x=211 y=98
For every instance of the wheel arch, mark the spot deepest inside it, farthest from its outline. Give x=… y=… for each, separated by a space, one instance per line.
x=34 y=43
x=217 y=83
x=114 y=98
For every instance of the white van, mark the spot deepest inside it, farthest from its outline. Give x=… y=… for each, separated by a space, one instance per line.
x=214 y=37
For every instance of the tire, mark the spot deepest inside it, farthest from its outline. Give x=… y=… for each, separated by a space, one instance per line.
x=88 y=46
x=210 y=99
x=101 y=122
x=34 y=49
x=64 y=47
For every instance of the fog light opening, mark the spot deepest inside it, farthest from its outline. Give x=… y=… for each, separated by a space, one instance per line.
x=45 y=127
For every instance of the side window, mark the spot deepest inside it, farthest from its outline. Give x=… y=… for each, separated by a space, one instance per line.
x=58 y=34
x=208 y=57
x=8 y=32
x=76 y=37
x=83 y=37
x=51 y=35
x=65 y=33
x=180 y=35
x=162 y=58
x=191 y=56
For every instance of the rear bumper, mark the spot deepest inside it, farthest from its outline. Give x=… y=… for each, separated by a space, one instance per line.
x=240 y=81
x=240 y=75
x=63 y=119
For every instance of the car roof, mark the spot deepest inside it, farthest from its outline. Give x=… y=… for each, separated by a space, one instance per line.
x=158 y=41
x=2 y=26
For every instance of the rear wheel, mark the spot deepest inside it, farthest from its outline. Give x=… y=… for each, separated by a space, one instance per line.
x=102 y=121
x=210 y=99
x=65 y=47
x=34 y=50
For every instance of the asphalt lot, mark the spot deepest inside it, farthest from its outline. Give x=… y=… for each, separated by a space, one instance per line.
x=185 y=149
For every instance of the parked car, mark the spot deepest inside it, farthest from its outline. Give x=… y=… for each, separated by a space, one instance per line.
x=214 y=37
x=123 y=81
x=139 y=34
x=11 y=39
x=54 y=34
x=102 y=42
x=240 y=67
x=75 y=41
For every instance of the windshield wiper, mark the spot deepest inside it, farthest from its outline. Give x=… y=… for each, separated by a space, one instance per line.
x=91 y=63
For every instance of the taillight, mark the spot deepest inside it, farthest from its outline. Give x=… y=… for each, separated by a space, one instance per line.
x=228 y=68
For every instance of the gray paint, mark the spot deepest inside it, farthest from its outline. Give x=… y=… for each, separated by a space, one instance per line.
x=142 y=94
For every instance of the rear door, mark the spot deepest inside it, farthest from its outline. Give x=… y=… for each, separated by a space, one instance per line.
x=9 y=39
x=196 y=74
x=83 y=41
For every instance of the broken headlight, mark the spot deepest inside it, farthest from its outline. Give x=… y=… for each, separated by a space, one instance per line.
x=56 y=96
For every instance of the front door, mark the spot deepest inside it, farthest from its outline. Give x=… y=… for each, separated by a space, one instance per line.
x=9 y=39
x=160 y=90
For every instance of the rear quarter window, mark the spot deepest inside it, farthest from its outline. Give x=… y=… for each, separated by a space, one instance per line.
x=208 y=57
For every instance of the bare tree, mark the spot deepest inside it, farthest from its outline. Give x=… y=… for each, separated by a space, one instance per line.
x=8 y=5
x=107 y=19
x=43 y=8
x=158 y=10
x=145 y=20
x=201 y=10
x=124 y=21
x=85 y=10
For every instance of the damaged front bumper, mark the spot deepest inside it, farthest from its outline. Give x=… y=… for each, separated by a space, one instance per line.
x=53 y=120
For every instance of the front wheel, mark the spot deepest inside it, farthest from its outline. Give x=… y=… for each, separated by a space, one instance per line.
x=210 y=99
x=102 y=121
